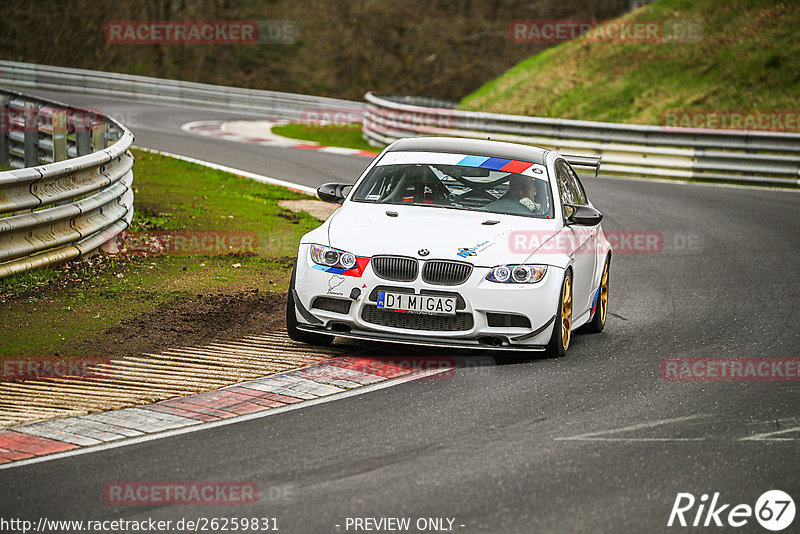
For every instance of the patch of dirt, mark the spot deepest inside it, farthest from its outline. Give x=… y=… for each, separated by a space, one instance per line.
x=316 y=208
x=291 y=217
x=191 y=321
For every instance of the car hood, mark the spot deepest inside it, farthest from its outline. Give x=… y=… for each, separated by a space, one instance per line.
x=366 y=230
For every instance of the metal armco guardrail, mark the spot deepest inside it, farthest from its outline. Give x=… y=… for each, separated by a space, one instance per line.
x=70 y=190
x=143 y=88
x=713 y=155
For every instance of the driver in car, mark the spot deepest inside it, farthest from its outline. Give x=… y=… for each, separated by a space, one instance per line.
x=519 y=199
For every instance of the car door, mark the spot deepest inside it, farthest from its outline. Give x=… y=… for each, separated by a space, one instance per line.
x=582 y=238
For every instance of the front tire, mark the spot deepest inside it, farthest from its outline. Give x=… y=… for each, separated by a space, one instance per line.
x=291 y=321
x=562 y=329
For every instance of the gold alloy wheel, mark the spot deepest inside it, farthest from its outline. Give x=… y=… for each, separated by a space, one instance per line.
x=566 y=313
x=604 y=295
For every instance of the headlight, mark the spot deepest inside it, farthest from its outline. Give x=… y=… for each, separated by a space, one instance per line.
x=517 y=274
x=331 y=257
x=347 y=260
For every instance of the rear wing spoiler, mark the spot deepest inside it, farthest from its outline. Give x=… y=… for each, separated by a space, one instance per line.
x=585 y=161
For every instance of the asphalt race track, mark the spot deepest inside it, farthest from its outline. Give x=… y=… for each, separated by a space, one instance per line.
x=594 y=442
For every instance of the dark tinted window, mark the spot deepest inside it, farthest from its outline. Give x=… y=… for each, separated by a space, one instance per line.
x=458 y=187
x=566 y=187
x=580 y=193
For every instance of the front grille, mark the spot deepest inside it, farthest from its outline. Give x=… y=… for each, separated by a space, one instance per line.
x=412 y=321
x=395 y=268
x=446 y=273
x=331 y=304
x=507 y=319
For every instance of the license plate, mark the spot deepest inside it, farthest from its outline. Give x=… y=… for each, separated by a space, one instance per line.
x=412 y=303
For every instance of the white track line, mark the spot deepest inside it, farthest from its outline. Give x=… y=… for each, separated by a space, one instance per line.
x=768 y=436
x=239 y=172
x=224 y=422
x=601 y=435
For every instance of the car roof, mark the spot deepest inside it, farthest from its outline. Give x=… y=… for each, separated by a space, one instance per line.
x=475 y=147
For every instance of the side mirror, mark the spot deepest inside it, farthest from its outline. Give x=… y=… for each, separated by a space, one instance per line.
x=333 y=193
x=584 y=216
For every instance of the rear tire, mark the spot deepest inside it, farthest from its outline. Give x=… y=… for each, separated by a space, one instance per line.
x=598 y=322
x=562 y=328
x=291 y=321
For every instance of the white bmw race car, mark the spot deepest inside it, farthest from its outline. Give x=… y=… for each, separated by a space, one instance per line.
x=455 y=243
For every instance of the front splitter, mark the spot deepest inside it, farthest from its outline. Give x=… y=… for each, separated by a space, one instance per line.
x=421 y=341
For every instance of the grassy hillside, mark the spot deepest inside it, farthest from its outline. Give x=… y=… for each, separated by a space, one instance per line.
x=747 y=59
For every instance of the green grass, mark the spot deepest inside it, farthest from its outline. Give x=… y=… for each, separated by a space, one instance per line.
x=56 y=319
x=53 y=310
x=342 y=136
x=177 y=195
x=747 y=59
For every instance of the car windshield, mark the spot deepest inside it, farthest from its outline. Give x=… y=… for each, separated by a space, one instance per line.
x=525 y=192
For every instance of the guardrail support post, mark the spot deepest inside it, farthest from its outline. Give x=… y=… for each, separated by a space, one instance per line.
x=83 y=138
x=59 y=119
x=31 y=135
x=99 y=141
x=5 y=129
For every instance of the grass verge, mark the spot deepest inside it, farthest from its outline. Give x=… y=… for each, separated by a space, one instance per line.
x=348 y=136
x=58 y=310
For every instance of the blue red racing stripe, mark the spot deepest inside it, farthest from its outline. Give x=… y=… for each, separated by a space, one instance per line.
x=357 y=271
x=594 y=303
x=497 y=164
x=472 y=161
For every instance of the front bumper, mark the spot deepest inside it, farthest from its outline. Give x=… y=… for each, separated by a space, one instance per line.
x=357 y=317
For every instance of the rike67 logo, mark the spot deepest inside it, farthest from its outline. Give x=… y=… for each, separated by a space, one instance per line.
x=774 y=510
